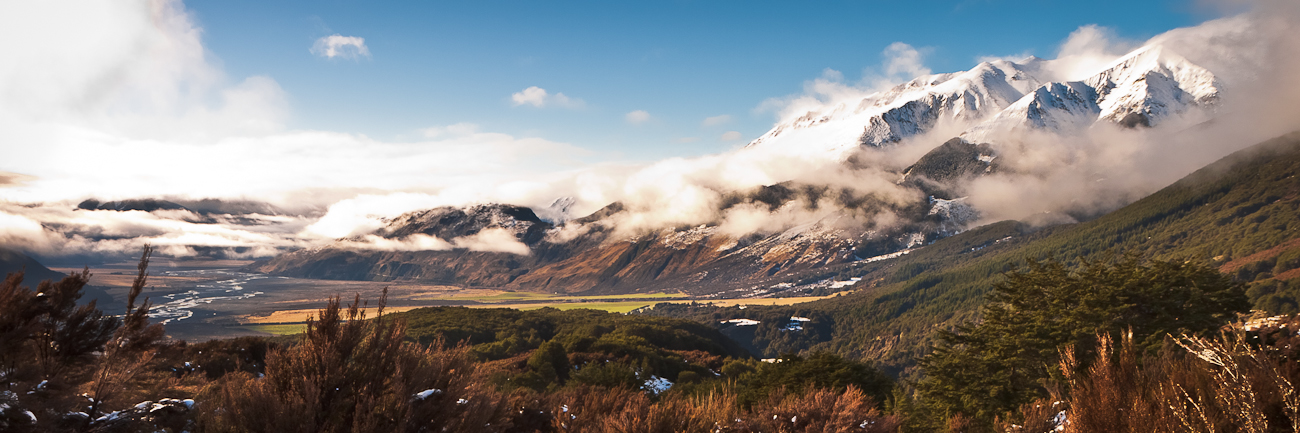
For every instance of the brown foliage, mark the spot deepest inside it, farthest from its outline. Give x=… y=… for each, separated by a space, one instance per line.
x=1196 y=384
x=353 y=375
x=604 y=410
x=132 y=347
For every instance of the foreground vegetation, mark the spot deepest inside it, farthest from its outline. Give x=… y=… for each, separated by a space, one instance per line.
x=1142 y=342
x=74 y=368
x=1117 y=345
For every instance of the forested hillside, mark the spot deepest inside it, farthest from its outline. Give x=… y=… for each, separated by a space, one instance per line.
x=1240 y=215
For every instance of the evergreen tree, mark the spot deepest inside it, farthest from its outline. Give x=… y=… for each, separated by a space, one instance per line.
x=991 y=368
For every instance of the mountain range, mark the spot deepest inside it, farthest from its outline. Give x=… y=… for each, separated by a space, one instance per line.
x=1240 y=215
x=506 y=246
x=1143 y=88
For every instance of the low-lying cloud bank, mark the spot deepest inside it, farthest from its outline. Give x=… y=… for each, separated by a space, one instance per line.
x=496 y=240
x=145 y=113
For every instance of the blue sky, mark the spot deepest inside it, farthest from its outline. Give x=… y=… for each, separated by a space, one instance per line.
x=120 y=99
x=441 y=63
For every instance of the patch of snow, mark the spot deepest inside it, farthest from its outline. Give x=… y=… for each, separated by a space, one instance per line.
x=741 y=322
x=843 y=284
x=892 y=255
x=796 y=323
x=426 y=393
x=957 y=210
x=656 y=384
x=683 y=239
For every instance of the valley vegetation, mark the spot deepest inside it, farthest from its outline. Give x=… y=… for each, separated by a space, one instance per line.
x=980 y=332
x=1059 y=347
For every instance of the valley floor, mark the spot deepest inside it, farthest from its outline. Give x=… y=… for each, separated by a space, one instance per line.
x=199 y=300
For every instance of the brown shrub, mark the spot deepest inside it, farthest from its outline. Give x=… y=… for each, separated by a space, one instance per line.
x=353 y=375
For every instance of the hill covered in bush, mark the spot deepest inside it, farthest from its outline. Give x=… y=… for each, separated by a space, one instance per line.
x=1240 y=215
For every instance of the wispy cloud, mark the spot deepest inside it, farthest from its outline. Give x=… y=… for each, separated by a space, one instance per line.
x=336 y=45
x=716 y=120
x=539 y=97
x=731 y=136
x=1011 y=58
x=899 y=62
x=637 y=117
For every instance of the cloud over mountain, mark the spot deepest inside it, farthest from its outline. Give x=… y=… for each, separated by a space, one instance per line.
x=144 y=112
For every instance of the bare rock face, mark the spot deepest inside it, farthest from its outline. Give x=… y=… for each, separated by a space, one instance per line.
x=942 y=171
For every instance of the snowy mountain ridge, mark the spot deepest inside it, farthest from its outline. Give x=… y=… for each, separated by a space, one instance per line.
x=1142 y=88
x=884 y=118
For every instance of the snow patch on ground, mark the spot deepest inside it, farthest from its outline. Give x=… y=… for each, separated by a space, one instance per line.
x=655 y=385
x=796 y=323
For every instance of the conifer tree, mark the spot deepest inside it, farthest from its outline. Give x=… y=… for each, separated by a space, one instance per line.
x=1009 y=359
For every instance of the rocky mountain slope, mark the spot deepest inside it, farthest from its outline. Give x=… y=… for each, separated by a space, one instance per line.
x=584 y=254
x=511 y=247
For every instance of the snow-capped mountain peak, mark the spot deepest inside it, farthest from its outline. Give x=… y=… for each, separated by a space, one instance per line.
x=1150 y=84
x=906 y=110
x=1142 y=88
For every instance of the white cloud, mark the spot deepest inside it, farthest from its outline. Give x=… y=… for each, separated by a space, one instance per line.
x=535 y=96
x=336 y=45
x=1011 y=58
x=140 y=111
x=903 y=62
x=1088 y=49
x=716 y=120
x=493 y=240
x=636 y=117
x=539 y=97
x=415 y=242
x=900 y=62
x=488 y=240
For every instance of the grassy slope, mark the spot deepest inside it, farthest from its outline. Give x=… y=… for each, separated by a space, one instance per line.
x=1243 y=204
x=1240 y=214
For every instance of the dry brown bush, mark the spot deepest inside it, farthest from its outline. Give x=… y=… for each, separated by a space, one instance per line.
x=1196 y=384
x=353 y=375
